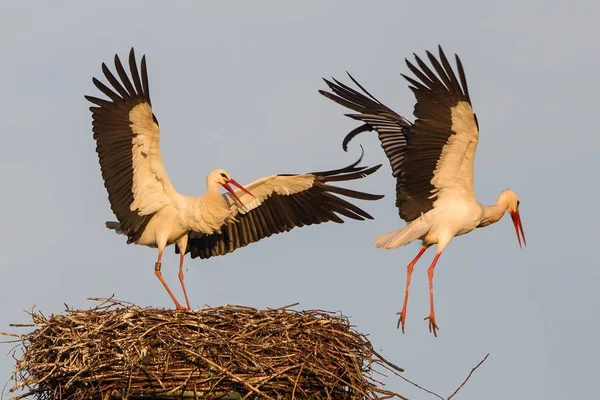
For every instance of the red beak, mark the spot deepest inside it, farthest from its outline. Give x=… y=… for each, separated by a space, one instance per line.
x=516 y=218
x=230 y=190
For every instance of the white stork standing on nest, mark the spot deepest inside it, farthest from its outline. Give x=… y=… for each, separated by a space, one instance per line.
x=152 y=213
x=432 y=161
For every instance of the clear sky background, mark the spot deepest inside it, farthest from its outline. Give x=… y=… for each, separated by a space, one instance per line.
x=234 y=85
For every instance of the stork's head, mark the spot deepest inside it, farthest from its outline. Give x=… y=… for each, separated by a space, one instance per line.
x=221 y=177
x=511 y=199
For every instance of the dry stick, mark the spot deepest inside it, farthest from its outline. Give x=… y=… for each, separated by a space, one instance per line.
x=266 y=379
x=387 y=362
x=420 y=387
x=283 y=307
x=296 y=382
x=233 y=376
x=404 y=378
x=468 y=376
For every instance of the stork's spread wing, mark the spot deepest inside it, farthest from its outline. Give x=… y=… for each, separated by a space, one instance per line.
x=281 y=203
x=434 y=157
x=127 y=143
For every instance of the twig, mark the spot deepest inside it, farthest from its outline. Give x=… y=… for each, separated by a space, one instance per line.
x=468 y=376
x=296 y=381
x=421 y=387
x=387 y=362
x=283 y=307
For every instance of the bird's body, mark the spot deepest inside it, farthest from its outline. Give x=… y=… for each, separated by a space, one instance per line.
x=458 y=219
x=446 y=220
x=152 y=213
x=172 y=223
x=432 y=160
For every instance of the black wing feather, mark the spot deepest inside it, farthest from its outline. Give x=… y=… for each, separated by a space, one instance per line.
x=114 y=136
x=281 y=213
x=392 y=128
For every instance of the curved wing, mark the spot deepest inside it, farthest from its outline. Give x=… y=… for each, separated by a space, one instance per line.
x=281 y=203
x=127 y=142
x=434 y=157
x=393 y=129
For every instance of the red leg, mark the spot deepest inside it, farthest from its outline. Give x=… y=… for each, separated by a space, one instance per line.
x=181 y=256
x=432 y=325
x=160 y=278
x=409 y=270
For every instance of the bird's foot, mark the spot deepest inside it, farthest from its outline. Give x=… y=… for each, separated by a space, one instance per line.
x=401 y=319
x=433 y=328
x=180 y=307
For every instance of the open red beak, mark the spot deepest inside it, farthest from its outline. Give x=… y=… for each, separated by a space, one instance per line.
x=230 y=190
x=516 y=218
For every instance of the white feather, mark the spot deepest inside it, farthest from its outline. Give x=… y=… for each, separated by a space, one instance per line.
x=454 y=173
x=413 y=231
x=151 y=185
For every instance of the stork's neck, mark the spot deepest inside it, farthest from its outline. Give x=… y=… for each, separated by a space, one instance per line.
x=492 y=214
x=208 y=212
x=212 y=189
x=213 y=196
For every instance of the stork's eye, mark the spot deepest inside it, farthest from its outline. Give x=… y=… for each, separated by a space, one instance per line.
x=223 y=175
x=518 y=203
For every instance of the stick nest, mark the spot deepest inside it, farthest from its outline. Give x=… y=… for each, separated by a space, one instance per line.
x=119 y=350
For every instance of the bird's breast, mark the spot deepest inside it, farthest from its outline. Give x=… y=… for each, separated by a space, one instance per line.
x=464 y=217
x=453 y=218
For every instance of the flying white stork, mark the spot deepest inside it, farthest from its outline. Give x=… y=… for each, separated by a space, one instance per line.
x=432 y=161
x=152 y=213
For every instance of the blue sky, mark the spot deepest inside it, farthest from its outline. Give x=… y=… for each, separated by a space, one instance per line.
x=234 y=85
